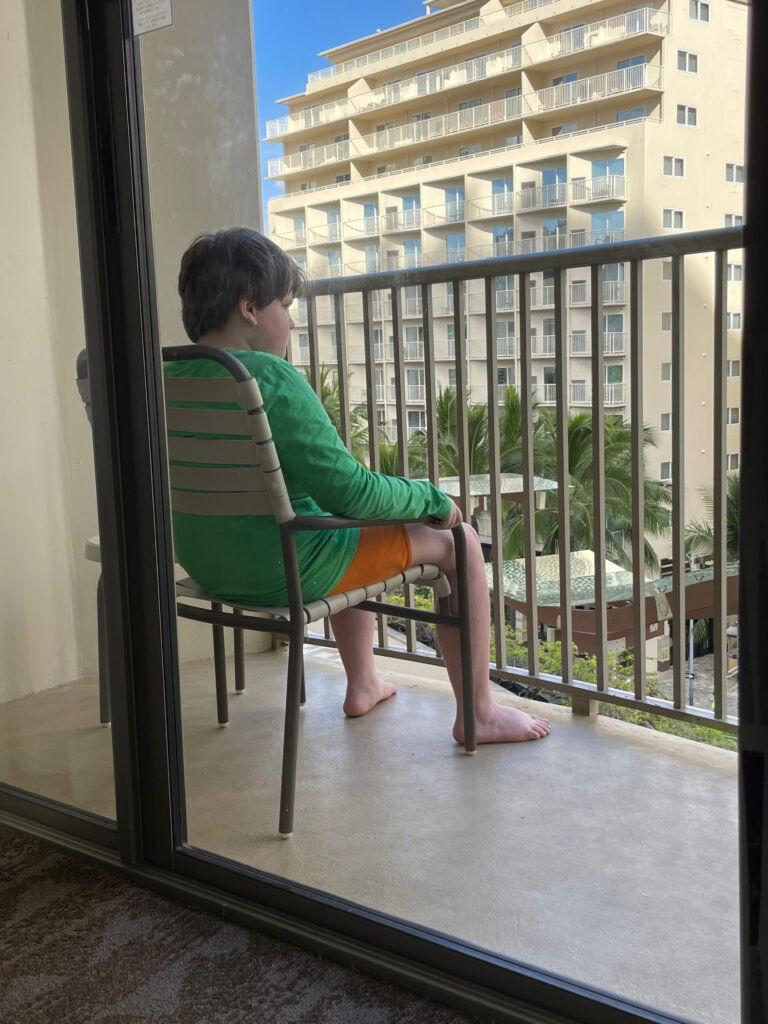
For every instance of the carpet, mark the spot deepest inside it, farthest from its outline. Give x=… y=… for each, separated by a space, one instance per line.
x=81 y=946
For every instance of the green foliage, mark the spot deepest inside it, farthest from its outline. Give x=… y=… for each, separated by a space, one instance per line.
x=358 y=415
x=700 y=535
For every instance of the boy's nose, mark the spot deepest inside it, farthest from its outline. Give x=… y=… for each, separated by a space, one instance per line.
x=291 y=321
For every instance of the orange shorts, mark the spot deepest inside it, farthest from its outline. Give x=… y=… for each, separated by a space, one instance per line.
x=382 y=551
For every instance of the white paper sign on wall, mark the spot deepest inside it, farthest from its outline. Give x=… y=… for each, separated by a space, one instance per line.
x=149 y=15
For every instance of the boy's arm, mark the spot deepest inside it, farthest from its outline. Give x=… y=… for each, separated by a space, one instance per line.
x=313 y=457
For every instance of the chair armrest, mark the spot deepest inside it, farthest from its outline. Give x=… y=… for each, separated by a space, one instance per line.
x=342 y=523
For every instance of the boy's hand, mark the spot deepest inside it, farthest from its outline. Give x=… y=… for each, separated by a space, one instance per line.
x=448 y=522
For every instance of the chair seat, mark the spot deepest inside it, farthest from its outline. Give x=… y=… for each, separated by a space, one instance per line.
x=314 y=610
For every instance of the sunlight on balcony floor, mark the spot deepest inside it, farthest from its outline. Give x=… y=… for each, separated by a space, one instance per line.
x=606 y=853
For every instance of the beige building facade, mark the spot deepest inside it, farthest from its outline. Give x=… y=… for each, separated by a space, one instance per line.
x=483 y=130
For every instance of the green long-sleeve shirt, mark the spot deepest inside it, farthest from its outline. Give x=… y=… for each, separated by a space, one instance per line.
x=238 y=558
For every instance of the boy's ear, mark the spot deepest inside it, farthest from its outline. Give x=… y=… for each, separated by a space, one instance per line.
x=247 y=310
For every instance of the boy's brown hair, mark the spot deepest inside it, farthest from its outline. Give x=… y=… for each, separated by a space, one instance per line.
x=218 y=269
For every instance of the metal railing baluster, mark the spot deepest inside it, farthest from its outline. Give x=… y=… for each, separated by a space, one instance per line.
x=638 y=472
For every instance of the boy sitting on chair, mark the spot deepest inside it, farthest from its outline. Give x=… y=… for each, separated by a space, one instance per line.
x=236 y=289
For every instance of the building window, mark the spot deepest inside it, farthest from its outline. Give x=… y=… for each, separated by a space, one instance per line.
x=666 y=471
x=734 y=220
x=733 y=321
x=341 y=178
x=687 y=61
x=666 y=321
x=451 y=377
x=565 y=129
x=687 y=115
x=674 y=167
x=666 y=371
x=733 y=415
x=734 y=272
x=698 y=10
x=672 y=219
x=666 y=422
x=630 y=115
x=469 y=150
x=735 y=173
x=666 y=270
x=732 y=461
x=734 y=367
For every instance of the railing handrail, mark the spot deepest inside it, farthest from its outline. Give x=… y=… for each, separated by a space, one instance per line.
x=657 y=247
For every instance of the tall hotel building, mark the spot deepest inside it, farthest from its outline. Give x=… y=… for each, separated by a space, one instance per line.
x=488 y=129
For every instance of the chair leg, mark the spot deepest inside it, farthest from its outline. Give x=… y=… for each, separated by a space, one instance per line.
x=105 y=700
x=220 y=670
x=303 y=700
x=465 y=632
x=239 y=661
x=291 y=737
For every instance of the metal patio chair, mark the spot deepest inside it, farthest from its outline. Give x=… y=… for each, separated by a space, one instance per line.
x=240 y=474
x=93 y=554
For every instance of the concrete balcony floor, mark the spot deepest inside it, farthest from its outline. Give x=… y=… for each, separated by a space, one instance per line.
x=606 y=853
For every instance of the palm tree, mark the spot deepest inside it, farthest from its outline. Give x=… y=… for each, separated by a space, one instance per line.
x=358 y=415
x=448 y=437
x=618 y=491
x=700 y=535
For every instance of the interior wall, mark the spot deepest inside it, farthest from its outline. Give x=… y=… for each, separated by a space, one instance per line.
x=205 y=173
x=47 y=590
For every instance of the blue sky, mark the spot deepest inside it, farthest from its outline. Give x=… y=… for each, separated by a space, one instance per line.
x=287 y=38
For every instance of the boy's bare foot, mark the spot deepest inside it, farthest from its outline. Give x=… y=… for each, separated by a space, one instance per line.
x=506 y=725
x=361 y=697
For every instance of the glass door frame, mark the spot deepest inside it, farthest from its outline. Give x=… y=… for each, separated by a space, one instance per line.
x=113 y=223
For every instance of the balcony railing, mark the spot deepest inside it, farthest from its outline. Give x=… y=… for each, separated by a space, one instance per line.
x=321 y=113
x=543 y=346
x=542 y=295
x=643 y=21
x=445 y=213
x=319 y=156
x=592 y=190
x=401 y=220
x=481 y=27
x=413 y=132
x=362 y=228
x=580 y=343
x=441 y=79
x=568 y=613
x=614 y=293
x=325 y=233
x=592 y=90
x=542 y=197
x=505 y=348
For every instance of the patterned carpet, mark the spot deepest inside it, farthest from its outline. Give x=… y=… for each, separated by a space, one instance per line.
x=80 y=946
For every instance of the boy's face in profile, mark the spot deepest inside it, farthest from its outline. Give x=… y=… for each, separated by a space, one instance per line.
x=273 y=326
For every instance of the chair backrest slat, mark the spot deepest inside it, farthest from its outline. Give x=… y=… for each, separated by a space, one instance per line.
x=238 y=474
x=208 y=421
x=221 y=453
x=218 y=478
x=233 y=503
x=201 y=389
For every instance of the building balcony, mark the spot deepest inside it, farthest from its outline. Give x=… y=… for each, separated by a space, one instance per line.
x=291 y=239
x=501 y=392
x=324 y=233
x=543 y=346
x=595 y=190
x=542 y=243
x=542 y=296
x=614 y=344
x=307 y=159
x=400 y=220
x=500 y=205
x=363 y=228
x=445 y=213
x=645 y=21
x=440 y=127
x=585 y=91
x=614 y=293
x=505 y=348
x=542 y=197
x=415 y=393
x=304 y=120
x=440 y=80
x=582 y=237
